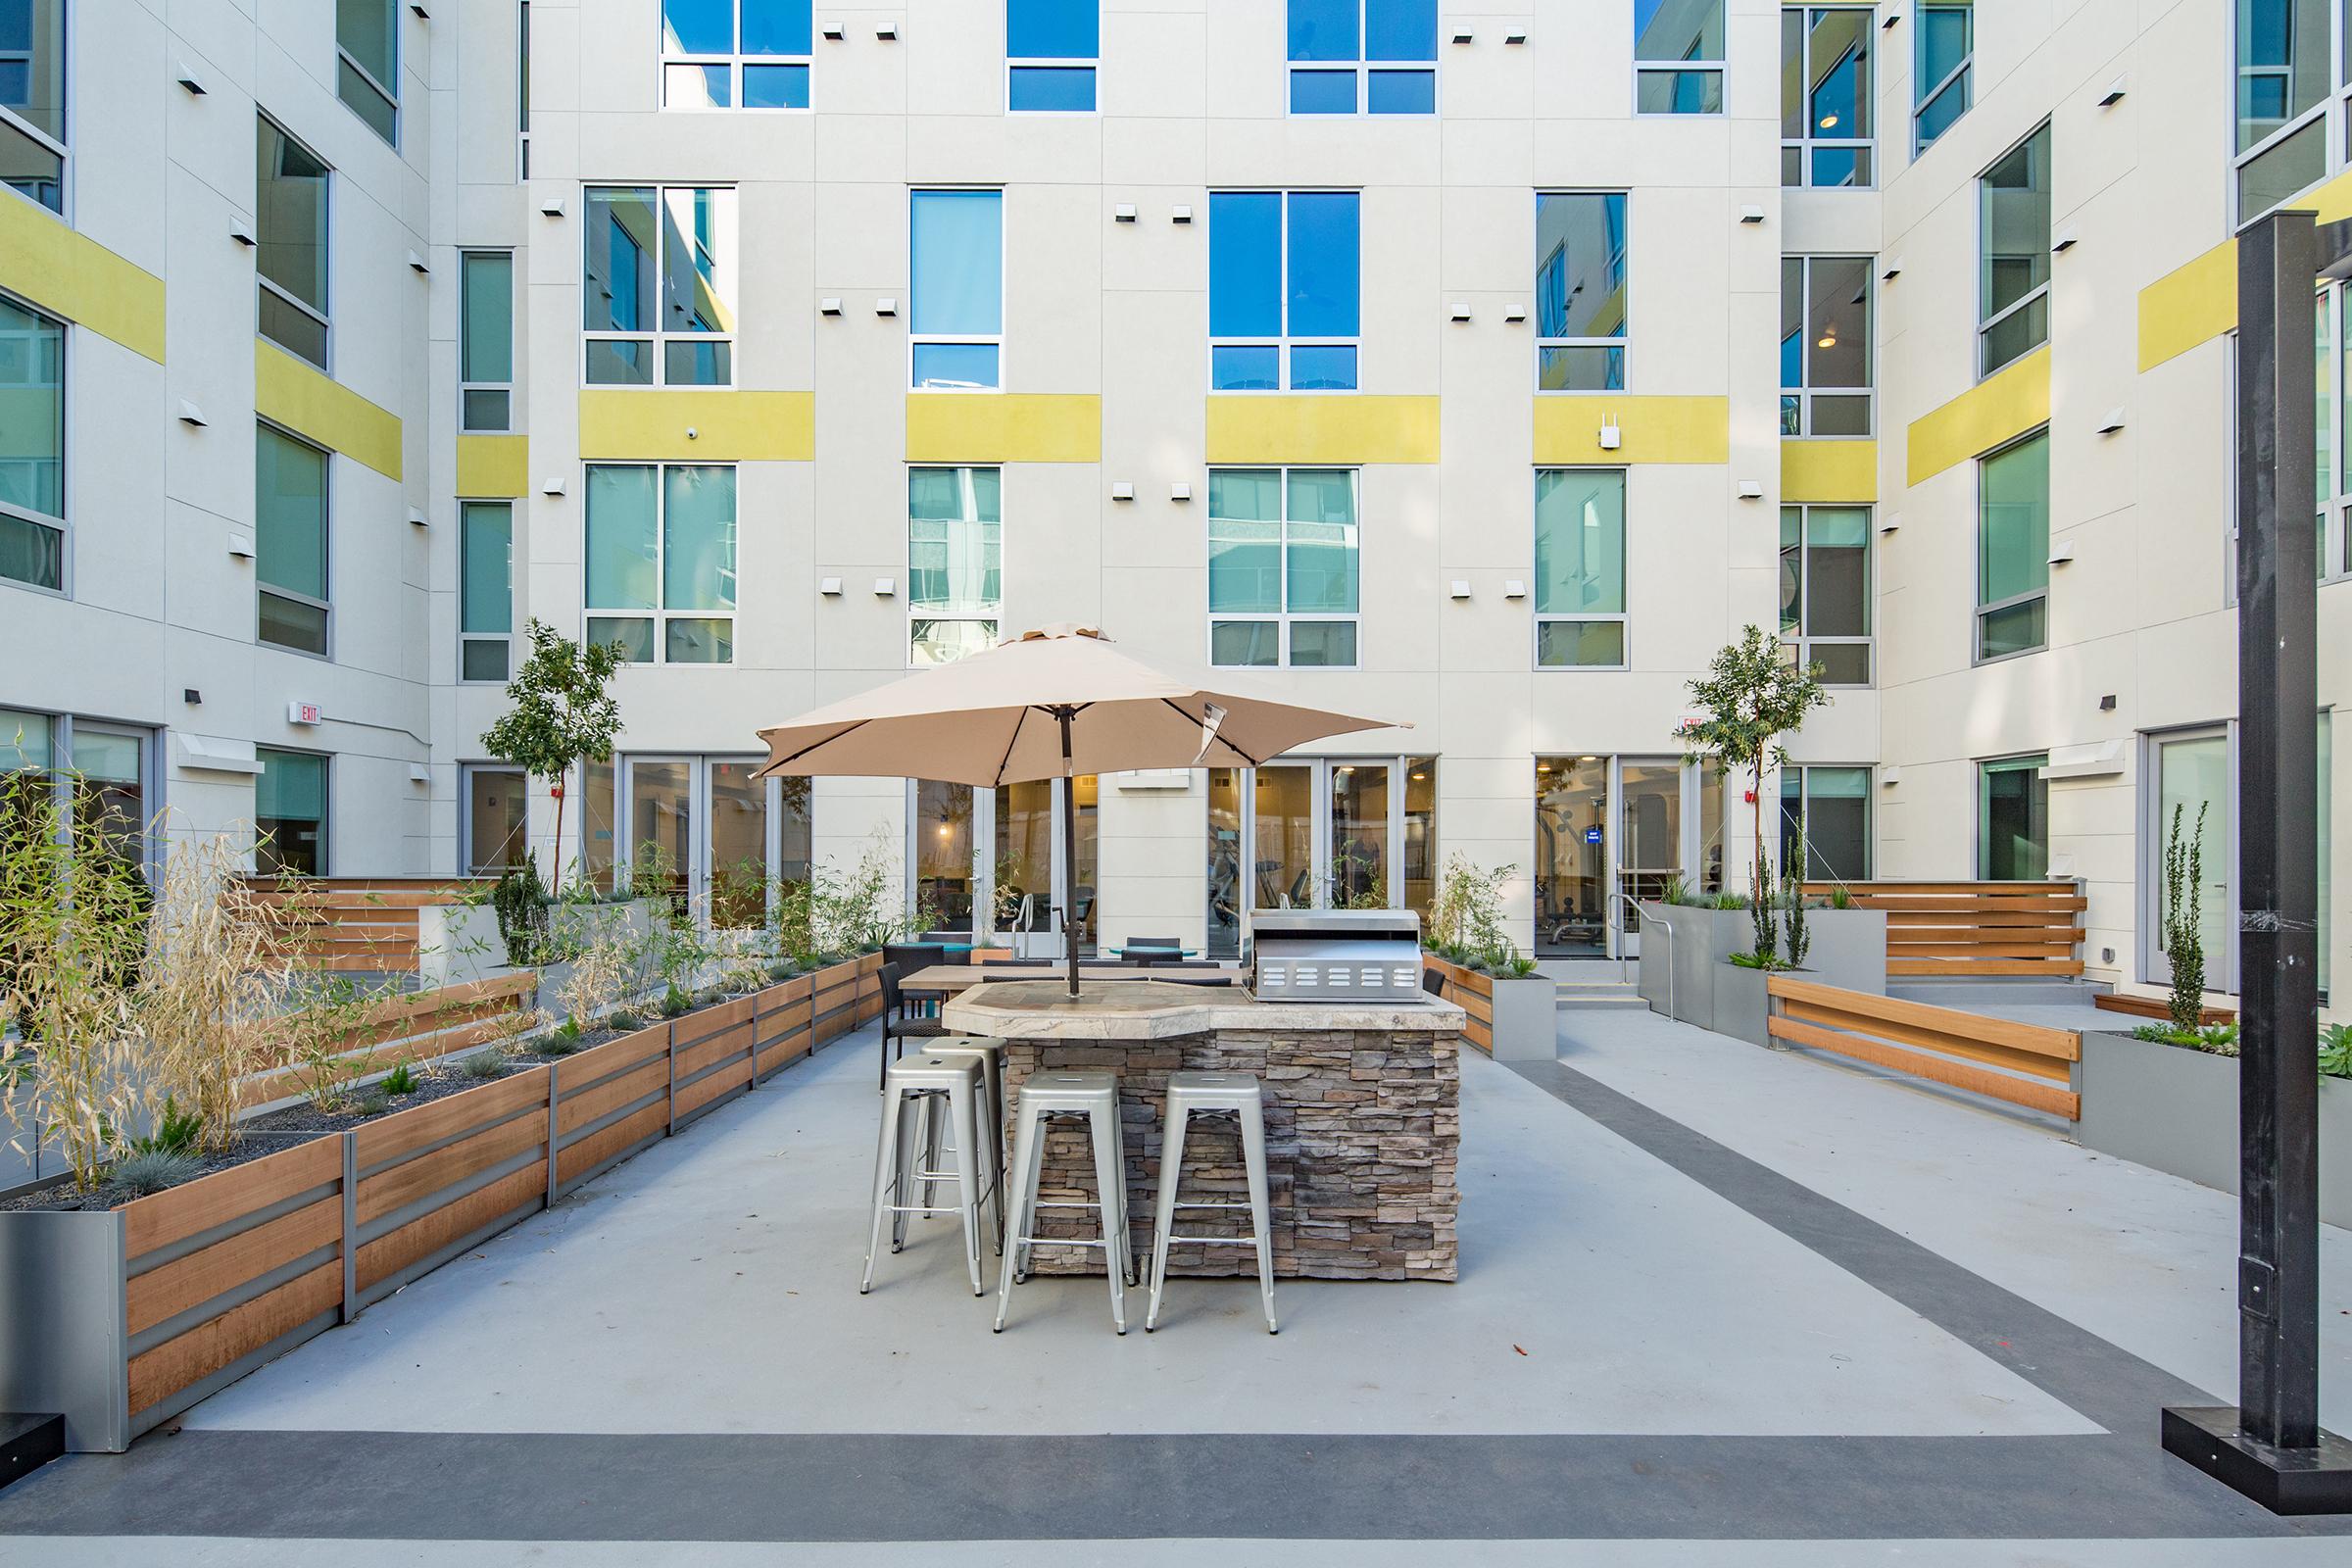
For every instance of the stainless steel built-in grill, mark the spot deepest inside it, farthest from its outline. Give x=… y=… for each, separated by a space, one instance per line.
x=1337 y=956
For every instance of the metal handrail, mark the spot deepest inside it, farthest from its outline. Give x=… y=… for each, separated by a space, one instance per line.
x=1649 y=919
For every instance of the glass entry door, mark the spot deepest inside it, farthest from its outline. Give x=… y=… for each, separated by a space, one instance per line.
x=2192 y=773
x=1572 y=857
x=1650 y=840
x=1612 y=825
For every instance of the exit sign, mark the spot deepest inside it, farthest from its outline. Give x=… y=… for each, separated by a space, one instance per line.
x=302 y=713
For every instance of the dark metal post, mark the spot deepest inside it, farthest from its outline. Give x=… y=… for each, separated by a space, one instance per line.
x=2271 y=1445
x=1069 y=852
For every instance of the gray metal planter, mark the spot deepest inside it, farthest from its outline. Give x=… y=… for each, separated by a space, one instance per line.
x=1848 y=950
x=2175 y=1109
x=1526 y=1022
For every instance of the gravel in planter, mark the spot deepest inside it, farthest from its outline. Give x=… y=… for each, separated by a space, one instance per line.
x=109 y=1194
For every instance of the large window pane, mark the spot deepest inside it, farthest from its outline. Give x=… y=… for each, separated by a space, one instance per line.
x=289 y=813
x=290 y=515
x=2014 y=543
x=1052 y=29
x=2281 y=64
x=661 y=823
x=1326 y=30
x=496 y=838
x=32 y=436
x=32 y=91
x=2013 y=821
x=486 y=572
x=621 y=540
x=958 y=255
x=943 y=852
x=737 y=872
x=2193 y=772
x=617 y=287
x=1580 y=541
x=291 y=228
x=1572 y=879
x=1838 y=572
x=1283 y=801
x=1360 y=852
x=1323 y=271
x=1580 y=265
x=488 y=353
x=698 y=546
x=2015 y=222
x=367 y=33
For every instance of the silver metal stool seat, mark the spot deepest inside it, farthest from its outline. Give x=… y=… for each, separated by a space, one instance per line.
x=990 y=1054
x=1091 y=1092
x=913 y=1089
x=1208 y=1093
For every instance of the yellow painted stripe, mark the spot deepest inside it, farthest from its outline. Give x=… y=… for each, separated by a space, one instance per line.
x=1323 y=427
x=494 y=465
x=1004 y=428
x=727 y=427
x=1650 y=429
x=2188 y=306
x=1830 y=472
x=289 y=392
x=2197 y=301
x=45 y=262
x=1996 y=409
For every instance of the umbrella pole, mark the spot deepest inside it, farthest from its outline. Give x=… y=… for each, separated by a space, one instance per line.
x=1069 y=855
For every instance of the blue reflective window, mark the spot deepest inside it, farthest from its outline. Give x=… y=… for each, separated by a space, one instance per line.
x=1053 y=89
x=1403 y=92
x=775 y=86
x=1323 y=368
x=698 y=26
x=1400 y=29
x=1328 y=30
x=960 y=366
x=1052 y=29
x=1284 y=268
x=1323 y=251
x=1245 y=367
x=957 y=240
x=1244 y=263
x=1337 y=45
x=775 y=27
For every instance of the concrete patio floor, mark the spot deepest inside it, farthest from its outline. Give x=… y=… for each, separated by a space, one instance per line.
x=1710 y=1293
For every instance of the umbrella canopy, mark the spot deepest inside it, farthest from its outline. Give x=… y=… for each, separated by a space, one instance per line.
x=1052 y=703
x=995 y=719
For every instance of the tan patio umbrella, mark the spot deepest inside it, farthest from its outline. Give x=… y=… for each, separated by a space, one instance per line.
x=1053 y=703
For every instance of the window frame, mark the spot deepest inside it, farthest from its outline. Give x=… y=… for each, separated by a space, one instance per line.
x=522 y=91
x=468 y=852
x=1363 y=68
x=1091 y=65
x=1806 y=146
x=655 y=338
x=1803 y=640
x=505 y=639
x=62 y=523
x=465 y=259
x=1623 y=343
x=326 y=804
x=69 y=21
x=1980 y=806
x=734 y=61
x=916 y=339
x=1718 y=68
x=2332 y=314
x=324 y=316
x=1285 y=618
x=1537 y=619
x=1806 y=391
x=2333 y=113
x=2040 y=291
x=327 y=551
x=1977 y=654
x=659 y=613
x=390 y=93
x=1961 y=76
x=1286 y=341
x=1804 y=773
x=968 y=498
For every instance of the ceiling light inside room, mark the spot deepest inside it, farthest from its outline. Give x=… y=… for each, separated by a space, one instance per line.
x=1828 y=122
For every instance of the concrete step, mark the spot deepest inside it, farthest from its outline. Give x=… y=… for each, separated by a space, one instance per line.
x=1599 y=994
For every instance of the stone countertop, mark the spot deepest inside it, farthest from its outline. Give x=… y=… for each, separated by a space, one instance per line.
x=1143 y=1009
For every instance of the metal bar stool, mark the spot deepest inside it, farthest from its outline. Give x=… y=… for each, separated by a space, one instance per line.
x=990 y=1054
x=1091 y=1092
x=909 y=1087
x=1211 y=1094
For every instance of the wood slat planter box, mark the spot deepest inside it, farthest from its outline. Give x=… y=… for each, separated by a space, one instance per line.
x=1972 y=930
x=125 y=1318
x=1511 y=1020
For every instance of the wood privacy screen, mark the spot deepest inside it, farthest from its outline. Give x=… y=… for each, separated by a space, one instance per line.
x=417 y=1026
x=1960 y=930
x=356 y=924
x=231 y=1269
x=2023 y=1063
x=1474 y=993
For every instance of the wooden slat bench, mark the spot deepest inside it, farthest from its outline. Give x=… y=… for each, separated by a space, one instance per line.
x=2023 y=1063
x=1967 y=930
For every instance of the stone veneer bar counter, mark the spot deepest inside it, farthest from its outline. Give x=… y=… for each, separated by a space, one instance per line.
x=1363 y=1120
